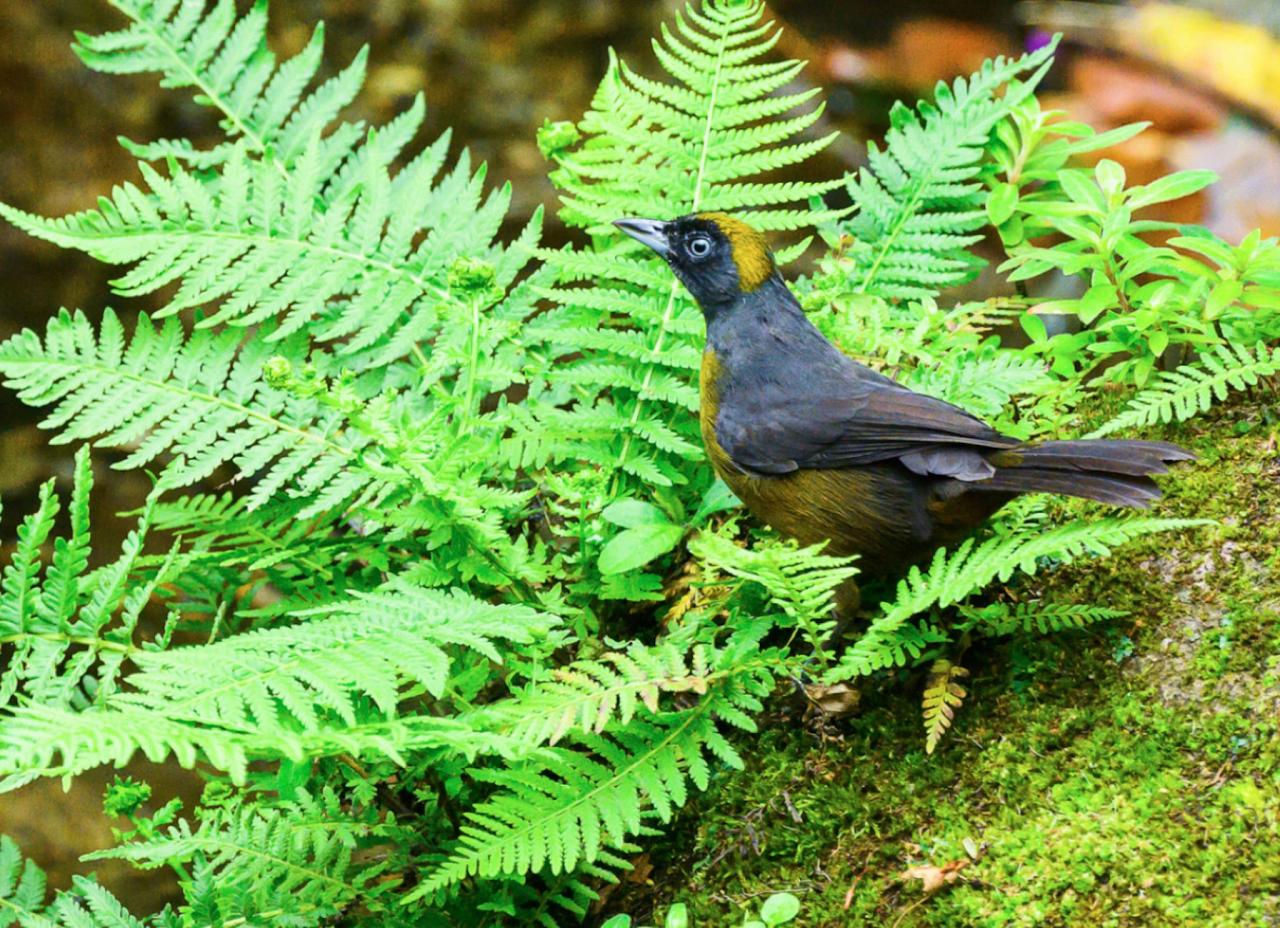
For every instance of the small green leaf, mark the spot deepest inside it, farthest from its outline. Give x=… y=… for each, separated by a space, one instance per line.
x=632 y=513
x=1033 y=325
x=677 y=916
x=779 y=909
x=1097 y=299
x=638 y=546
x=1222 y=296
x=1012 y=232
x=1110 y=175
x=1158 y=342
x=618 y=921
x=1081 y=189
x=291 y=776
x=1001 y=204
x=718 y=498
x=1102 y=140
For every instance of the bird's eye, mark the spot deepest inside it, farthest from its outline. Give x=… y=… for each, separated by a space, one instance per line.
x=700 y=246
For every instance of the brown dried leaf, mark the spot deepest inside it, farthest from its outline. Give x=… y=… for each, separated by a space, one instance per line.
x=840 y=699
x=935 y=878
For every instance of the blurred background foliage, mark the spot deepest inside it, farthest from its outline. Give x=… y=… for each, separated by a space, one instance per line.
x=1206 y=76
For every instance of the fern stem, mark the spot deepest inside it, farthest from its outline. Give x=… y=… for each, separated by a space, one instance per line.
x=469 y=397
x=97 y=644
x=906 y=212
x=259 y=917
x=674 y=291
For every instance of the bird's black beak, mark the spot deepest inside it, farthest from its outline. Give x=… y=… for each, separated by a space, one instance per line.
x=651 y=232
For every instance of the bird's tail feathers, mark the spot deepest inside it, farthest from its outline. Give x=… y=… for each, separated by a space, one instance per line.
x=1108 y=471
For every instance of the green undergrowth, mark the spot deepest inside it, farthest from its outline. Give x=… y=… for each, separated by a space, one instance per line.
x=1127 y=775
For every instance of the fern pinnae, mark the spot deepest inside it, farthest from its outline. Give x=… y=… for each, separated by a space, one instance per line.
x=265 y=854
x=569 y=807
x=701 y=138
x=953 y=576
x=1177 y=395
x=283 y=222
x=720 y=31
x=591 y=696
x=920 y=203
x=1003 y=619
x=229 y=64
x=942 y=696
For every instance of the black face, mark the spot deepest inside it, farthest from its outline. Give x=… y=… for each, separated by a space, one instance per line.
x=697 y=251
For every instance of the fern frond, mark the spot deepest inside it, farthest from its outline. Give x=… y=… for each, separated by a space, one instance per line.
x=590 y=696
x=201 y=399
x=228 y=64
x=70 y=628
x=663 y=149
x=22 y=887
x=1002 y=619
x=942 y=696
x=293 y=219
x=953 y=576
x=205 y=401
x=86 y=905
x=38 y=741
x=301 y=561
x=261 y=857
x=920 y=201
x=1180 y=394
x=354 y=256
x=564 y=807
x=800 y=580
x=373 y=645
x=293 y=692
x=984 y=382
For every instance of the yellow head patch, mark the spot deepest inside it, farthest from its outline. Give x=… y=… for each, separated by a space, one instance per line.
x=749 y=249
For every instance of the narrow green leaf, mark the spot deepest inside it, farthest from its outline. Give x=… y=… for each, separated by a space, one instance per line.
x=1172 y=187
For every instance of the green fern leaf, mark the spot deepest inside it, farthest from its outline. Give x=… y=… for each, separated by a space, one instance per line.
x=337 y=255
x=22 y=887
x=38 y=741
x=72 y=628
x=1180 y=394
x=700 y=141
x=264 y=856
x=953 y=576
x=372 y=645
x=590 y=696
x=199 y=398
x=1002 y=619
x=920 y=202
x=566 y=807
x=226 y=61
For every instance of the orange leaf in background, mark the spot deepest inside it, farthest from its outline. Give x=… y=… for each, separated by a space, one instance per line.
x=1238 y=59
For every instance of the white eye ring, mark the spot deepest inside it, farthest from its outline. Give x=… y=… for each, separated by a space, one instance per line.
x=700 y=247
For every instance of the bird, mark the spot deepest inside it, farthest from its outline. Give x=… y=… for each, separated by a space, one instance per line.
x=827 y=450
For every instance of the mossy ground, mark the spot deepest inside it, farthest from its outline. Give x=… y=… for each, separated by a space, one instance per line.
x=1124 y=775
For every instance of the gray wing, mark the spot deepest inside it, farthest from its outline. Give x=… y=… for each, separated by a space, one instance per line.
x=862 y=418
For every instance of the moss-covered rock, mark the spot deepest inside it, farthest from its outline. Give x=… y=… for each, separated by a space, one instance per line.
x=1125 y=775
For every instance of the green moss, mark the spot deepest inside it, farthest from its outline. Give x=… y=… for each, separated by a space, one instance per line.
x=1125 y=776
